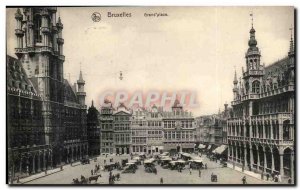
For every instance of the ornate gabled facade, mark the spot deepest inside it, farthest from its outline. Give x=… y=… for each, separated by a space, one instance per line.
x=57 y=130
x=261 y=131
x=179 y=129
x=122 y=130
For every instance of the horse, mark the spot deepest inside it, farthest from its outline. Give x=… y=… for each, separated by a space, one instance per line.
x=94 y=178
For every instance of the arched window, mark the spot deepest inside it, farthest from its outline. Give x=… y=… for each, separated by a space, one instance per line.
x=256 y=87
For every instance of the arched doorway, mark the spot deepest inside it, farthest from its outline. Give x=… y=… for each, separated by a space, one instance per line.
x=255 y=160
x=287 y=161
x=276 y=159
x=261 y=157
x=268 y=159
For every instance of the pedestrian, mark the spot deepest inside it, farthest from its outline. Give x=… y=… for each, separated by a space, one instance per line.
x=199 y=173
x=290 y=181
x=279 y=178
x=276 y=178
x=268 y=176
x=104 y=161
x=206 y=166
x=190 y=171
x=273 y=176
x=244 y=180
x=92 y=172
x=161 y=180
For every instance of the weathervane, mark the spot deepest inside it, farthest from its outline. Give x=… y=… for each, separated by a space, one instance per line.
x=251 y=14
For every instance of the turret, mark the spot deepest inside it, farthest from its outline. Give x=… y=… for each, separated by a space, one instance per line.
x=235 y=88
x=291 y=65
x=18 y=31
x=81 y=93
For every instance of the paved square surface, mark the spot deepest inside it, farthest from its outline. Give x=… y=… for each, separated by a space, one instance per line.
x=225 y=175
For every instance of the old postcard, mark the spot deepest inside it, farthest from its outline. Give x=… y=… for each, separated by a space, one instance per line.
x=150 y=95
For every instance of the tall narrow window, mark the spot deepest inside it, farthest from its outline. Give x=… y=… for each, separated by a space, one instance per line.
x=37 y=29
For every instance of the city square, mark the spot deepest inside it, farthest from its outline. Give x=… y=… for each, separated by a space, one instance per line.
x=225 y=175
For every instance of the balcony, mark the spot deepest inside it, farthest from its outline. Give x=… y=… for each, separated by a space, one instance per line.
x=254 y=72
x=19 y=32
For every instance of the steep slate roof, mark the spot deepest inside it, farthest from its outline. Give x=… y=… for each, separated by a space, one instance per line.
x=17 y=77
x=69 y=93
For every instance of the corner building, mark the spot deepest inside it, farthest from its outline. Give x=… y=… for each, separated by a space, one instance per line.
x=261 y=131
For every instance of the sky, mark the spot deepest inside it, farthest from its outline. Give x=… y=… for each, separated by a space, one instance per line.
x=194 y=49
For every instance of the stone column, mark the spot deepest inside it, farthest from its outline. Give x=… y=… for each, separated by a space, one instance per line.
x=21 y=159
x=271 y=126
x=281 y=171
x=258 y=159
x=241 y=155
x=72 y=151
x=232 y=155
x=245 y=156
x=39 y=162
x=264 y=129
x=292 y=167
x=44 y=161
x=251 y=158
x=272 y=167
x=80 y=153
x=265 y=162
x=50 y=154
x=33 y=164
x=67 y=156
x=236 y=154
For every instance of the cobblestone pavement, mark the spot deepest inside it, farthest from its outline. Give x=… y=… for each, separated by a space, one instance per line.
x=225 y=175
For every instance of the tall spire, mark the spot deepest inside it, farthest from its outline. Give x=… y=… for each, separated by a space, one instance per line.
x=92 y=103
x=235 y=81
x=291 y=52
x=80 y=76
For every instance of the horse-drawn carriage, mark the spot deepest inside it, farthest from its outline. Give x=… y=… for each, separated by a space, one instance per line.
x=130 y=168
x=150 y=166
x=196 y=164
x=109 y=167
x=83 y=180
x=164 y=161
x=176 y=164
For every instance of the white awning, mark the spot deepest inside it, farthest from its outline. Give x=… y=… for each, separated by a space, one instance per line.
x=201 y=146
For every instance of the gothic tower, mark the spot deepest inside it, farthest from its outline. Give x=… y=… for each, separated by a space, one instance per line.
x=40 y=50
x=253 y=75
